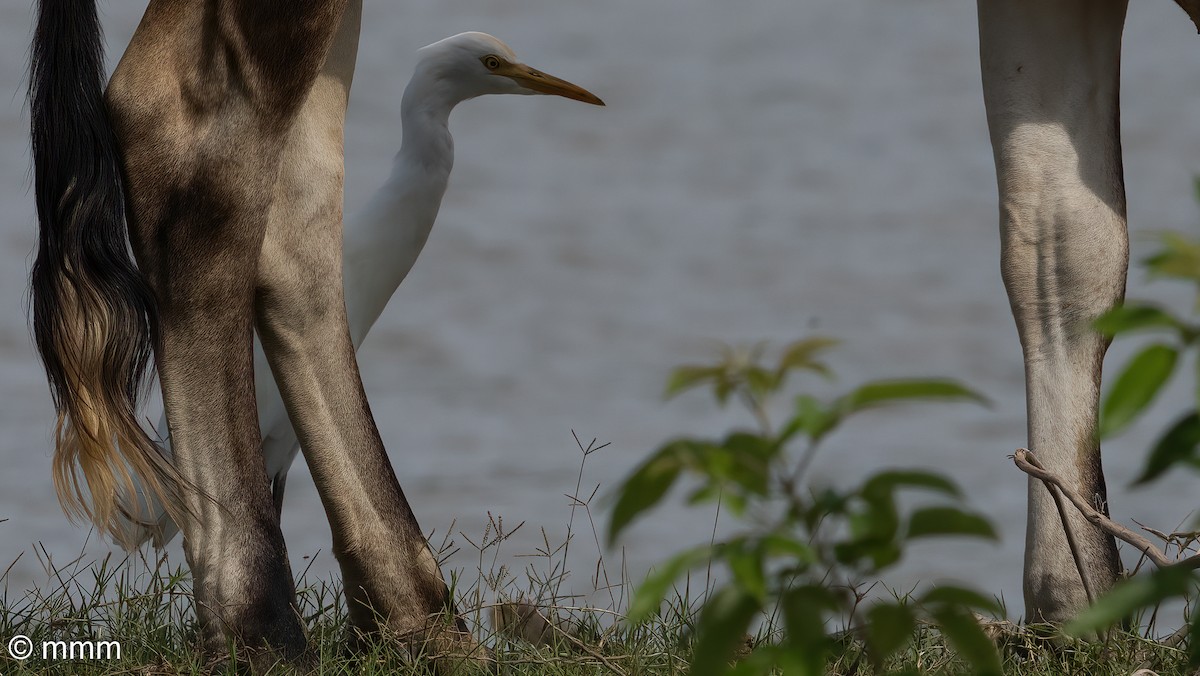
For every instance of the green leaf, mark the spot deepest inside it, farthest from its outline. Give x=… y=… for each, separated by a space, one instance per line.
x=761 y=382
x=765 y=659
x=731 y=501
x=647 y=485
x=746 y=461
x=800 y=356
x=1130 y=317
x=968 y=638
x=691 y=376
x=650 y=594
x=723 y=388
x=959 y=596
x=1197 y=385
x=879 y=551
x=886 y=482
x=876 y=521
x=889 y=627
x=812 y=417
x=963 y=597
x=1177 y=445
x=885 y=392
x=938 y=521
x=805 y=612
x=826 y=502
x=784 y=545
x=1136 y=387
x=1133 y=594
x=748 y=572
x=1178 y=259
x=721 y=628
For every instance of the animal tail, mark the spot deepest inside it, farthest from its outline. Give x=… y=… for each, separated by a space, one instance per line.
x=94 y=317
x=145 y=517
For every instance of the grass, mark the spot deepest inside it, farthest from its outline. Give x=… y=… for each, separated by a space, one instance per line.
x=531 y=625
x=149 y=612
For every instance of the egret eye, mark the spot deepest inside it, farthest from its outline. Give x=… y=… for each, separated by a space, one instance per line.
x=491 y=62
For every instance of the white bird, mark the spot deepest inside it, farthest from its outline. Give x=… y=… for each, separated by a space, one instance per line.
x=381 y=243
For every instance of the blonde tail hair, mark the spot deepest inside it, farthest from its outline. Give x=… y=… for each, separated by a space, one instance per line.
x=94 y=317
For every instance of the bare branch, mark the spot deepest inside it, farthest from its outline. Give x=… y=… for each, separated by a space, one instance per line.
x=1027 y=463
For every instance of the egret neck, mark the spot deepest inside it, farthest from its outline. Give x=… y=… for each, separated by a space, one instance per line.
x=386 y=237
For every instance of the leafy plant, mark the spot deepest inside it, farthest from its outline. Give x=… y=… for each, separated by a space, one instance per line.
x=1148 y=371
x=802 y=554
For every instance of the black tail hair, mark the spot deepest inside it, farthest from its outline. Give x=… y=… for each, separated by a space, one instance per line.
x=94 y=316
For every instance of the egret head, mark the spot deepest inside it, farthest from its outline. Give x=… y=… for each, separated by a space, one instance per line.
x=475 y=64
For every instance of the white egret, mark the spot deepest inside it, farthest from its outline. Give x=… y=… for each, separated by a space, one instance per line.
x=382 y=241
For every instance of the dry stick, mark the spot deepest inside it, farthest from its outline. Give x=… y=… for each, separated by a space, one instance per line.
x=1025 y=462
x=1076 y=554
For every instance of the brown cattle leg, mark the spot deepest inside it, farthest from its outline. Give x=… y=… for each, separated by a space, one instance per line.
x=203 y=103
x=389 y=574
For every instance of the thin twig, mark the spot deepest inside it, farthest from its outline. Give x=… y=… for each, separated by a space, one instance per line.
x=1022 y=460
x=1088 y=587
x=1176 y=637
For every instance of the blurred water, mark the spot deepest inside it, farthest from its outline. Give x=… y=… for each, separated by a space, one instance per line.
x=763 y=169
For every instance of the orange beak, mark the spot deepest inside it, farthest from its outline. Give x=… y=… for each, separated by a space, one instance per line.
x=543 y=83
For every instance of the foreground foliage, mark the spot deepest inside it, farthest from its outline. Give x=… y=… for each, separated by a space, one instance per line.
x=799 y=566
